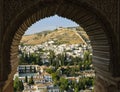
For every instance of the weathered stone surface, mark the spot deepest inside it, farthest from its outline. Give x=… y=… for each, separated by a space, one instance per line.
x=100 y=19
x=102 y=85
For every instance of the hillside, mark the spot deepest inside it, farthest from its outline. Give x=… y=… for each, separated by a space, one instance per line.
x=60 y=36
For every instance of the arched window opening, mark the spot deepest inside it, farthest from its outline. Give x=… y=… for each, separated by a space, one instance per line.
x=55 y=54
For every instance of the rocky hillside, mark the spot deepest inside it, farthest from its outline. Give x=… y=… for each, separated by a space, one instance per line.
x=60 y=36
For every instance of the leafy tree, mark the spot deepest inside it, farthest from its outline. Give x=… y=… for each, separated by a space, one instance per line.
x=22 y=59
x=72 y=73
x=64 y=84
x=76 y=89
x=55 y=76
x=61 y=58
x=31 y=82
x=87 y=55
x=39 y=60
x=21 y=86
x=51 y=56
x=50 y=70
x=18 y=85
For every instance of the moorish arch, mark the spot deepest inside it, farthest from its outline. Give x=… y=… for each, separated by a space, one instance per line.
x=95 y=23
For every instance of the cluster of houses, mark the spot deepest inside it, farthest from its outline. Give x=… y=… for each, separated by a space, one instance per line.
x=42 y=80
x=74 y=50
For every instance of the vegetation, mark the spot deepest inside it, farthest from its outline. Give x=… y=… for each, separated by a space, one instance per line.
x=66 y=84
x=31 y=82
x=18 y=85
x=77 y=64
x=72 y=69
x=26 y=79
x=62 y=66
x=31 y=59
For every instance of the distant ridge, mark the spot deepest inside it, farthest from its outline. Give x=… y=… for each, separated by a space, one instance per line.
x=70 y=35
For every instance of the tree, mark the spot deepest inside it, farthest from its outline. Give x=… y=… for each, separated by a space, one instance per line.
x=25 y=70
x=62 y=59
x=87 y=55
x=26 y=79
x=31 y=82
x=64 y=84
x=51 y=56
x=34 y=70
x=76 y=89
x=39 y=60
x=55 y=76
x=26 y=58
x=81 y=83
x=50 y=70
x=18 y=85
x=21 y=86
x=22 y=58
x=72 y=73
x=30 y=69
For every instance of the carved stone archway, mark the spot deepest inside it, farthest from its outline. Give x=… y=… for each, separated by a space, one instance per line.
x=88 y=13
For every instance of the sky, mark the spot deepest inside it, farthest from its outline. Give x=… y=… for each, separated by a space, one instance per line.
x=50 y=23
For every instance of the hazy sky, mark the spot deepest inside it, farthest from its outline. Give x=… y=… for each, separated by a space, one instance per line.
x=50 y=23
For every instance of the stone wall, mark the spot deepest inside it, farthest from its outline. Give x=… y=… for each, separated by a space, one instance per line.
x=108 y=8
x=105 y=86
x=100 y=18
x=9 y=87
x=1 y=37
x=111 y=10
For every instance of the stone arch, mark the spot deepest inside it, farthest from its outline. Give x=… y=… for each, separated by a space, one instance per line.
x=93 y=21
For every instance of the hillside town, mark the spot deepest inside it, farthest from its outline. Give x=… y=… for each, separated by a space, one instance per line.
x=75 y=50
x=49 y=67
